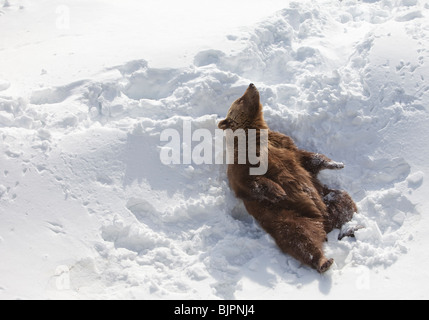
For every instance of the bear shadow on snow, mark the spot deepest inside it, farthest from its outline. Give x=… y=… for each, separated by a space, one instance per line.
x=288 y=201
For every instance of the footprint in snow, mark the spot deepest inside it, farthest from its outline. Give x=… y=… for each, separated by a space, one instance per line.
x=56 y=227
x=53 y=95
x=141 y=209
x=3 y=191
x=4 y=85
x=410 y=16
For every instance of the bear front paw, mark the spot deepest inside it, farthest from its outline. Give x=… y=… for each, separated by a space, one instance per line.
x=334 y=165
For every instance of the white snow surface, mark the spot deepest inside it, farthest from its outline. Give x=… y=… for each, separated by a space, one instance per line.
x=87 y=209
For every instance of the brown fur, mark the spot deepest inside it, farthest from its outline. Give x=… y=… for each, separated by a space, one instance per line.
x=289 y=201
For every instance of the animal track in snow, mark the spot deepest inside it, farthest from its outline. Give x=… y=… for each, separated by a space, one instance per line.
x=8 y=193
x=56 y=227
x=410 y=16
x=54 y=95
x=141 y=208
x=3 y=190
x=4 y=85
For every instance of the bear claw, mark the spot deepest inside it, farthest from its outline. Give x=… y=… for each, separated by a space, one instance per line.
x=335 y=165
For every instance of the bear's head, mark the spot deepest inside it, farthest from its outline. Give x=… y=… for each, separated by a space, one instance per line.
x=245 y=112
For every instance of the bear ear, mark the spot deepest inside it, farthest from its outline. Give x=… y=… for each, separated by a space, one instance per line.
x=224 y=124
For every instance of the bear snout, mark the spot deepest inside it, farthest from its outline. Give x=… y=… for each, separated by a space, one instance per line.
x=251 y=91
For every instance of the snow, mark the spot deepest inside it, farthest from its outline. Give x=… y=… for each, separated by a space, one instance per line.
x=89 y=211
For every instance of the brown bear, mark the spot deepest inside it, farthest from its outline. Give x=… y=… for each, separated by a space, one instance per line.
x=288 y=201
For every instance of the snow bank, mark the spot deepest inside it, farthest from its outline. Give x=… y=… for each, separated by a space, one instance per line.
x=89 y=211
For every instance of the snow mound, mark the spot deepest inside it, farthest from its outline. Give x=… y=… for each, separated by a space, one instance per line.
x=82 y=180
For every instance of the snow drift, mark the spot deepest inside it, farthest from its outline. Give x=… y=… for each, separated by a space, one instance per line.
x=88 y=210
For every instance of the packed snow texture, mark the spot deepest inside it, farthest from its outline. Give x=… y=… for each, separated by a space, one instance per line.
x=88 y=210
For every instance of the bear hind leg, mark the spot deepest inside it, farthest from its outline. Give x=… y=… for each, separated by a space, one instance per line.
x=340 y=208
x=324 y=265
x=303 y=239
